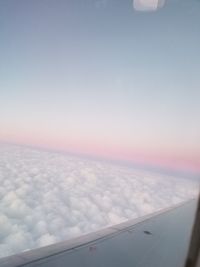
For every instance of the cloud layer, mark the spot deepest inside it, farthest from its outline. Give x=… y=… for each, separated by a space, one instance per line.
x=48 y=197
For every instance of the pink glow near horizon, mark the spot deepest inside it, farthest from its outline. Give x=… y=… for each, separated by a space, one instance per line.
x=166 y=159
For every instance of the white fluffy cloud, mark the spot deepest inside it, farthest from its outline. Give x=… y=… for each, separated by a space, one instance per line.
x=48 y=197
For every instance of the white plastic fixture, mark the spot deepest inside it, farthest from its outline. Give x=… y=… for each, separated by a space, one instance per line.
x=147 y=5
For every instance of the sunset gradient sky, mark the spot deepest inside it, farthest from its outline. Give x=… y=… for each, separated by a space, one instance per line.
x=98 y=77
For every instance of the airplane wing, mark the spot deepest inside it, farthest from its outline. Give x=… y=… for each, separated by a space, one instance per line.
x=157 y=240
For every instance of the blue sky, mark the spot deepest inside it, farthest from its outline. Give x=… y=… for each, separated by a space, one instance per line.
x=100 y=78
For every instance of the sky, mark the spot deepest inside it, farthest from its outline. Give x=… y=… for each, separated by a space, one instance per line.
x=101 y=78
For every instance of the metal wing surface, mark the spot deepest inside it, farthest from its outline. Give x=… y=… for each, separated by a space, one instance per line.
x=157 y=240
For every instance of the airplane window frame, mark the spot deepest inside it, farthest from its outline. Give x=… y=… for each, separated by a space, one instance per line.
x=193 y=257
